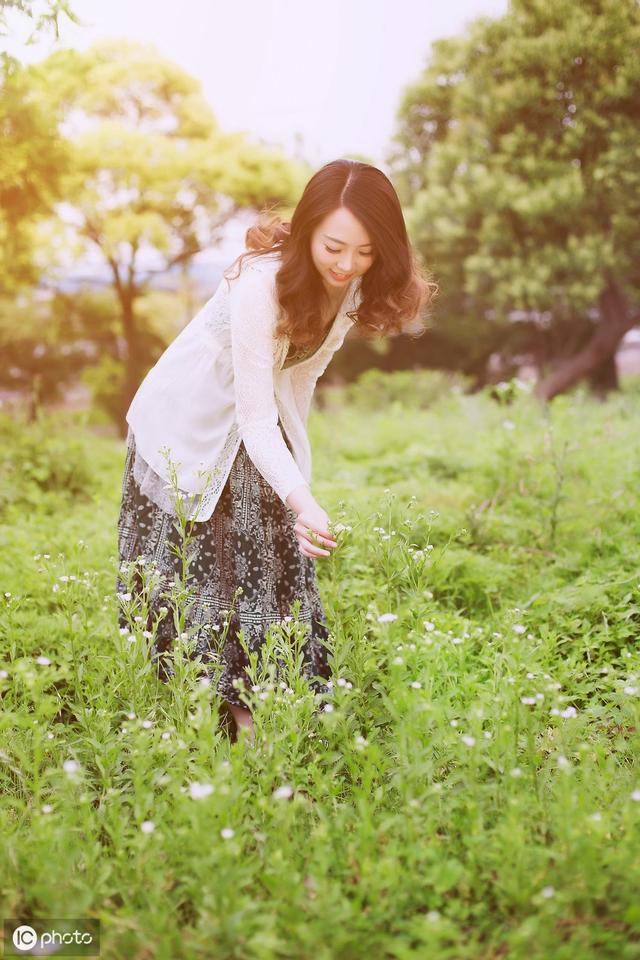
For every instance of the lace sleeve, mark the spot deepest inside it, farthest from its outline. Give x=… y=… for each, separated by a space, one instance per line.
x=253 y=314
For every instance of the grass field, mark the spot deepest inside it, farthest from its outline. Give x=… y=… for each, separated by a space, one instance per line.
x=473 y=790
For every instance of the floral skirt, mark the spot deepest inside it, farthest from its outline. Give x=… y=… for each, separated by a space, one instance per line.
x=248 y=542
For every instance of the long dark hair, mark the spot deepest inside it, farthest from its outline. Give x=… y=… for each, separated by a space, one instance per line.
x=395 y=290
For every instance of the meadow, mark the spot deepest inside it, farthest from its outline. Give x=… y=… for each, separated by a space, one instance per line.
x=471 y=789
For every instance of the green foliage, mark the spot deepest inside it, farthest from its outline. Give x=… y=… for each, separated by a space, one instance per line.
x=472 y=789
x=413 y=389
x=517 y=158
x=41 y=466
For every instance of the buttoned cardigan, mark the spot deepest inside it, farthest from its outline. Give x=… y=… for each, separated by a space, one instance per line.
x=221 y=381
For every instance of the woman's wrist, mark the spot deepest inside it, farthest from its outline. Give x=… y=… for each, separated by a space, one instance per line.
x=301 y=498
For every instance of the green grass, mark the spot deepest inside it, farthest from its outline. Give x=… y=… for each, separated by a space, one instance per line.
x=474 y=793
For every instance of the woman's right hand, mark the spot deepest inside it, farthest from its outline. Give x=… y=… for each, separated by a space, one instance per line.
x=312 y=530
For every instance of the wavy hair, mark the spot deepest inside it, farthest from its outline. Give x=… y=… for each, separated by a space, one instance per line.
x=395 y=290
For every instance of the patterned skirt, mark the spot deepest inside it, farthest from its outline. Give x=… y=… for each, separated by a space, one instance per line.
x=249 y=541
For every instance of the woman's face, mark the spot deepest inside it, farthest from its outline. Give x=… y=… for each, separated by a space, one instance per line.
x=341 y=249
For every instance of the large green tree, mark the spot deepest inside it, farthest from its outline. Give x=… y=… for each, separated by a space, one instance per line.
x=152 y=178
x=32 y=158
x=518 y=157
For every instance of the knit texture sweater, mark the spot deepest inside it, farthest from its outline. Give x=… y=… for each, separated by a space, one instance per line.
x=226 y=379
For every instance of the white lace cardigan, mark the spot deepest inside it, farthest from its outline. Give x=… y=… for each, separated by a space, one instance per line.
x=223 y=380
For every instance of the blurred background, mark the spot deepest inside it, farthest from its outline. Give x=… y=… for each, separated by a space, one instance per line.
x=139 y=141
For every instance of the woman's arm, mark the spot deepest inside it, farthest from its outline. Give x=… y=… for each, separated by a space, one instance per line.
x=253 y=317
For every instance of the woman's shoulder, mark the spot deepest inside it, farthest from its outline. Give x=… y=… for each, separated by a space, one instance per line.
x=256 y=278
x=265 y=265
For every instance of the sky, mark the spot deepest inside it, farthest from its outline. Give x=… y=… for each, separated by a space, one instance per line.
x=321 y=79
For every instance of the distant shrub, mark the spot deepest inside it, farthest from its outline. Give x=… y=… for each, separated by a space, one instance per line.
x=416 y=389
x=39 y=458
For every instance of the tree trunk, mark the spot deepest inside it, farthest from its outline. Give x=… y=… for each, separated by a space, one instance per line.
x=615 y=321
x=603 y=379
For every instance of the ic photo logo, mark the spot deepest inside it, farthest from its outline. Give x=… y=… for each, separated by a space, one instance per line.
x=53 y=937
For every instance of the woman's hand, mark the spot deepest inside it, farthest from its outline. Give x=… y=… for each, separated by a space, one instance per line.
x=313 y=533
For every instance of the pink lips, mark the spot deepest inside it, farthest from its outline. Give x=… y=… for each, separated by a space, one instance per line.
x=338 y=276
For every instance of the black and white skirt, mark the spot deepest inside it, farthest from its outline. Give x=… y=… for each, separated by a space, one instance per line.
x=249 y=542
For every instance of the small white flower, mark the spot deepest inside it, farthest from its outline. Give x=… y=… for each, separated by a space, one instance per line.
x=416 y=684
x=7 y=595
x=55 y=587
x=227 y=833
x=518 y=628
x=328 y=708
x=387 y=618
x=147 y=826
x=596 y=816
x=636 y=795
x=547 y=892
x=166 y=735
x=563 y=763
x=516 y=772
x=631 y=690
x=199 y=791
x=453 y=723
x=283 y=793
x=46 y=808
x=43 y=660
x=362 y=741
x=71 y=766
x=147 y=723
x=131 y=716
x=529 y=700
x=457 y=640
x=469 y=741
x=508 y=424
x=433 y=916
x=4 y=674
x=398 y=661
x=569 y=712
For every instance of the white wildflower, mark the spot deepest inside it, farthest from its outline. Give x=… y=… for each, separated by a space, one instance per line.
x=200 y=790
x=283 y=793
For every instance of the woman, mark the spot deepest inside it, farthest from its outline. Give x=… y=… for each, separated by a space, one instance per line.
x=220 y=421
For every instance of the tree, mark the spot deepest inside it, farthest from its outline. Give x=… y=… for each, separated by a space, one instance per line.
x=518 y=154
x=152 y=178
x=33 y=158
